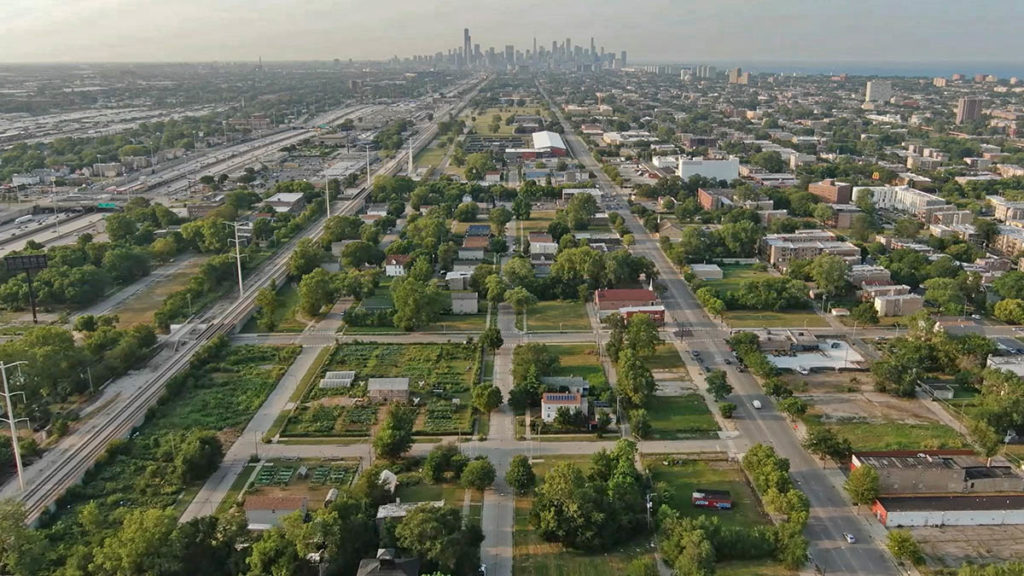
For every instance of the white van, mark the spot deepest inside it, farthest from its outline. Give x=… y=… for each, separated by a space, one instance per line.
x=756 y=404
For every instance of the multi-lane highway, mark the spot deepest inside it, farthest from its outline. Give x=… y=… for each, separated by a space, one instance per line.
x=830 y=513
x=124 y=403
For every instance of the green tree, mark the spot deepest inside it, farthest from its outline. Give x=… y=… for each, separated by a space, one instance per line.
x=119 y=227
x=792 y=407
x=727 y=409
x=305 y=258
x=640 y=423
x=985 y=437
x=496 y=287
x=316 y=290
x=824 y=213
x=518 y=272
x=865 y=313
x=641 y=336
x=467 y=212
x=520 y=299
x=907 y=228
x=579 y=211
x=267 y=303
x=478 y=165
x=417 y=304
x=825 y=443
x=829 y=273
x=520 y=475
x=198 y=455
x=20 y=546
x=635 y=382
x=486 y=398
x=437 y=536
x=903 y=546
x=718 y=386
x=478 y=475
x=862 y=485
x=274 y=555
x=443 y=462
x=139 y=545
x=521 y=207
x=498 y=218
x=491 y=338
x=771 y=161
x=1010 y=310
x=567 y=508
x=356 y=254
x=394 y=437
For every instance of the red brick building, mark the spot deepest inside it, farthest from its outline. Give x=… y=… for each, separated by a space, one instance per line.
x=831 y=191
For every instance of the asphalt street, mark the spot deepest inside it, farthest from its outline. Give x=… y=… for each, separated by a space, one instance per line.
x=831 y=515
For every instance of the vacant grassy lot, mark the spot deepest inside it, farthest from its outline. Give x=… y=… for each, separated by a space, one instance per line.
x=682 y=476
x=483 y=122
x=139 y=308
x=733 y=277
x=679 y=417
x=285 y=316
x=579 y=360
x=555 y=316
x=891 y=435
x=429 y=157
x=534 y=556
x=782 y=319
x=666 y=357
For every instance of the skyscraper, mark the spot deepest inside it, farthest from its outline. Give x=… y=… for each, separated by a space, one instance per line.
x=878 y=91
x=734 y=75
x=568 y=48
x=968 y=109
x=467 y=47
x=622 y=58
x=593 y=49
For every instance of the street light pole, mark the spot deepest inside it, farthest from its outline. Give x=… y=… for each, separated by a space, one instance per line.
x=13 y=422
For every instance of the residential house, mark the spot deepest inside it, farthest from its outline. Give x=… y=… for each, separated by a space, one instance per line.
x=394 y=265
x=263 y=512
x=386 y=564
x=609 y=300
x=542 y=243
x=465 y=302
x=551 y=402
x=473 y=247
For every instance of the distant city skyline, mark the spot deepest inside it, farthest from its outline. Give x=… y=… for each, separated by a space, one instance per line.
x=714 y=31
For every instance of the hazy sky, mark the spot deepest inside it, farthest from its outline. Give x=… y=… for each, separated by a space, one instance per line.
x=659 y=30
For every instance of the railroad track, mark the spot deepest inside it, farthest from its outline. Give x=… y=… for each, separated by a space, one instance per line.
x=132 y=410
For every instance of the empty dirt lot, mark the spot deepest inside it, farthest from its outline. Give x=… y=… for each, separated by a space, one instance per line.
x=954 y=545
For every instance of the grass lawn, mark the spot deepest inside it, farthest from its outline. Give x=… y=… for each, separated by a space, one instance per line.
x=485 y=119
x=452 y=494
x=685 y=476
x=867 y=435
x=459 y=323
x=236 y=488
x=783 y=319
x=534 y=556
x=139 y=308
x=752 y=568
x=556 y=315
x=666 y=357
x=431 y=156
x=579 y=360
x=285 y=315
x=733 y=275
x=678 y=417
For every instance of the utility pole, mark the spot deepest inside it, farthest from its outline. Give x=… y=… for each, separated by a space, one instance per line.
x=10 y=419
x=238 y=257
x=327 y=193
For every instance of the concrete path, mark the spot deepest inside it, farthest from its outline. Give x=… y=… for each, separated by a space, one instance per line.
x=497 y=520
x=248 y=444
